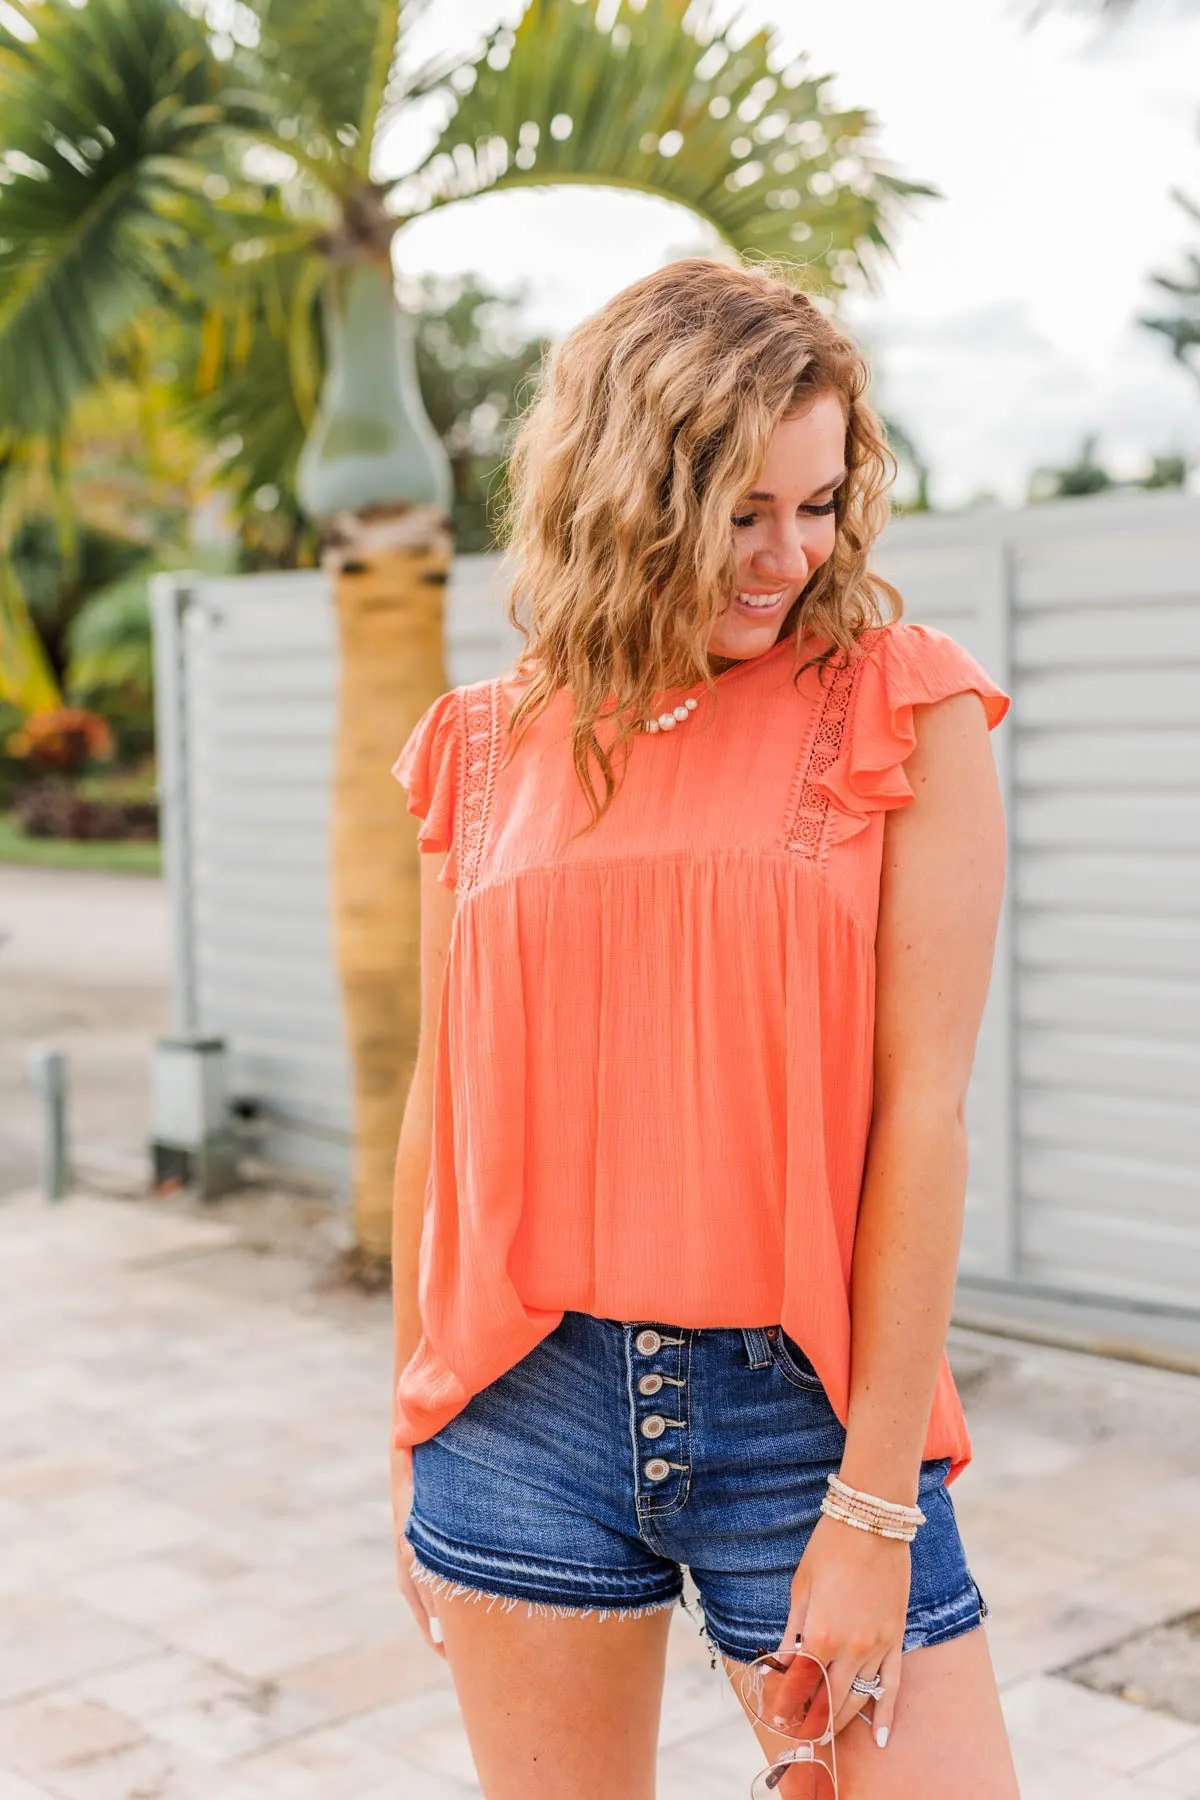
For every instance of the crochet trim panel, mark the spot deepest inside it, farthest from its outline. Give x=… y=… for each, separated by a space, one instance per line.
x=808 y=811
x=481 y=737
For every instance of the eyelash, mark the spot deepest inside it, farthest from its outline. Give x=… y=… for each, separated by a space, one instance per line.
x=814 y=511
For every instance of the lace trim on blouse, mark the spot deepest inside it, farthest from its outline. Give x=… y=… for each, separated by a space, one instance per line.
x=805 y=833
x=480 y=740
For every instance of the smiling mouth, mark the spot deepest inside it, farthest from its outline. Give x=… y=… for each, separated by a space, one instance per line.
x=762 y=603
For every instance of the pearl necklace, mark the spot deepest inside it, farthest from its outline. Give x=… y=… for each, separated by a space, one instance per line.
x=667 y=721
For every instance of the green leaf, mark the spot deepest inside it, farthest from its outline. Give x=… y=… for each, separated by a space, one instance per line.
x=110 y=639
x=327 y=71
x=660 y=99
x=103 y=115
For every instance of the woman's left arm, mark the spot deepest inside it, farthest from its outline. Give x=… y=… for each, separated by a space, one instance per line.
x=941 y=891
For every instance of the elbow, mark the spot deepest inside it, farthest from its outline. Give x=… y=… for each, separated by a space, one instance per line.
x=924 y=1105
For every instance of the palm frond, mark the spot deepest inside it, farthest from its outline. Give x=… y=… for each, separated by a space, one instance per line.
x=326 y=71
x=26 y=678
x=659 y=98
x=247 y=380
x=110 y=638
x=102 y=115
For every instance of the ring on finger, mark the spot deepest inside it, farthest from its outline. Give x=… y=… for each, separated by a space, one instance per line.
x=874 y=1689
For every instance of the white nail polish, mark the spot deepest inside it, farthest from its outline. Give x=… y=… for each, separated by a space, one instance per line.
x=881 y=1736
x=435 y=1630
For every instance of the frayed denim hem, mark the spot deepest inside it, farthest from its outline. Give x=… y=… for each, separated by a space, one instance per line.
x=442 y=1587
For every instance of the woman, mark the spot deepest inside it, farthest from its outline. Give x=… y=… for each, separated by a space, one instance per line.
x=709 y=905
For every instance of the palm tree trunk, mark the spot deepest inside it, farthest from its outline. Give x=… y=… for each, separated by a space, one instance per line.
x=374 y=471
x=389 y=599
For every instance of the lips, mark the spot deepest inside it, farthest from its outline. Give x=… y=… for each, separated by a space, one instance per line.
x=762 y=602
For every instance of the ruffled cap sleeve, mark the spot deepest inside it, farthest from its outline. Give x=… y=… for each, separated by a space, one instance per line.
x=429 y=768
x=906 y=665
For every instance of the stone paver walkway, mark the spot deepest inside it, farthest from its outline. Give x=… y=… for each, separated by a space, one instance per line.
x=196 y=1588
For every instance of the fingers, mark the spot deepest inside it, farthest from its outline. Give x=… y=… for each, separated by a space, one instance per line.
x=885 y=1710
x=847 y=1705
x=419 y=1603
x=790 y=1642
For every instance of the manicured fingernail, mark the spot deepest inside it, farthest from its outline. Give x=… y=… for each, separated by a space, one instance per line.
x=435 y=1631
x=881 y=1736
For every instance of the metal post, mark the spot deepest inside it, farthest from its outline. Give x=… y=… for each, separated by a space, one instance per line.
x=171 y=598
x=48 y=1077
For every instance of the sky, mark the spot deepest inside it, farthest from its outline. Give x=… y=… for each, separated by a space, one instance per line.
x=1004 y=331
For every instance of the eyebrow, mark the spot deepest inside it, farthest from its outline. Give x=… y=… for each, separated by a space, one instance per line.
x=823 y=489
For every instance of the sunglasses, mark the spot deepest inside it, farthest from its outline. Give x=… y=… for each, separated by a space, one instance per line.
x=792 y=1699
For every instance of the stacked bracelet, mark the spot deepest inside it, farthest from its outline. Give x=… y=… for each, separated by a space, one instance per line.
x=867 y=1512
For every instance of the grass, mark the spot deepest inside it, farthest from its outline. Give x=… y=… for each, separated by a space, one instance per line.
x=122 y=784
x=67 y=853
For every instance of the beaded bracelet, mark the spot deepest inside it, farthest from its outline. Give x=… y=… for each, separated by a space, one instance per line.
x=911 y=1515
x=832 y=1510
x=886 y=1518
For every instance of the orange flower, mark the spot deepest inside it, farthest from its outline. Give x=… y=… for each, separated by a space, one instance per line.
x=62 y=740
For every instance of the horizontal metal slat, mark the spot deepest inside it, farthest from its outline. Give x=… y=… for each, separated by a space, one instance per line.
x=1104 y=698
x=1124 y=821
x=1125 y=1126
x=1073 y=1248
x=1110 y=560
x=1140 y=1190
x=1143 y=758
x=1141 y=641
x=1112 y=1065
x=1145 y=1006
x=1108 y=943
x=1160 y=885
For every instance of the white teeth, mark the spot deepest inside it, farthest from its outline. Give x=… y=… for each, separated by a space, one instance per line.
x=763 y=601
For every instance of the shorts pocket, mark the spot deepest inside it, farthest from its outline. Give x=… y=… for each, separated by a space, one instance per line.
x=791 y=1361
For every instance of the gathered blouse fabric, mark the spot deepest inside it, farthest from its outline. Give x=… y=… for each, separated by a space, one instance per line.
x=653 y=1067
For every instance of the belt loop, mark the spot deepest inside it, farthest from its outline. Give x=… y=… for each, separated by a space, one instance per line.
x=758 y=1353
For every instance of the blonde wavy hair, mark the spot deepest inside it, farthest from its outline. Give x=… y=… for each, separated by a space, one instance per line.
x=649 y=423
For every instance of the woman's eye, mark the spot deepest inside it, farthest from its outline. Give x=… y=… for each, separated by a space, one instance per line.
x=744 y=520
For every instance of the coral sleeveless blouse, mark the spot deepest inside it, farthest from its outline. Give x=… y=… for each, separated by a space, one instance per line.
x=653 y=1067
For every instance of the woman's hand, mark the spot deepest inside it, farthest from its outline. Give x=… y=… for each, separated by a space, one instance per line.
x=420 y=1600
x=850 y=1606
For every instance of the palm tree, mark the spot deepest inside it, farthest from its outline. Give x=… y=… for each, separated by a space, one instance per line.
x=153 y=151
x=1181 y=326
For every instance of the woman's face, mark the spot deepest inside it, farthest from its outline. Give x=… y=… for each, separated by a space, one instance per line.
x=784 y=527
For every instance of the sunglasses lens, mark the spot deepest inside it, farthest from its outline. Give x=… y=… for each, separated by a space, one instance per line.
x=789 y=1696
x=794 y=1781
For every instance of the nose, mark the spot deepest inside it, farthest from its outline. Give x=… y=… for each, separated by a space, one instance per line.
x=787 y=556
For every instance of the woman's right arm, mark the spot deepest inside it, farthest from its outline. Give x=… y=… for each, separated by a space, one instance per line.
x=413 y=1153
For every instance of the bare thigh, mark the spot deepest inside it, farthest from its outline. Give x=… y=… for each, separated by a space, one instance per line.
x=558 y=1707
x=948 y=1741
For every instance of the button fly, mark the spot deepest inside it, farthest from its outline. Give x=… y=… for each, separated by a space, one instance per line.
x=650 y=1384
x=657 y=1469
x=654 y=1426
x=648 y=1342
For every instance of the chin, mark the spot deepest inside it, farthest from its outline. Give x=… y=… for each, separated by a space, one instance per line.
x=742 y=638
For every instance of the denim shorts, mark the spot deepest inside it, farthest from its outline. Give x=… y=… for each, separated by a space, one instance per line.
x=616 y=1454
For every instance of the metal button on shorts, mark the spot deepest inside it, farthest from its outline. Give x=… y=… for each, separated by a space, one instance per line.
x=657 y=1469
x=648 y=1342
x=650 y=1384
x=654 y=1426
